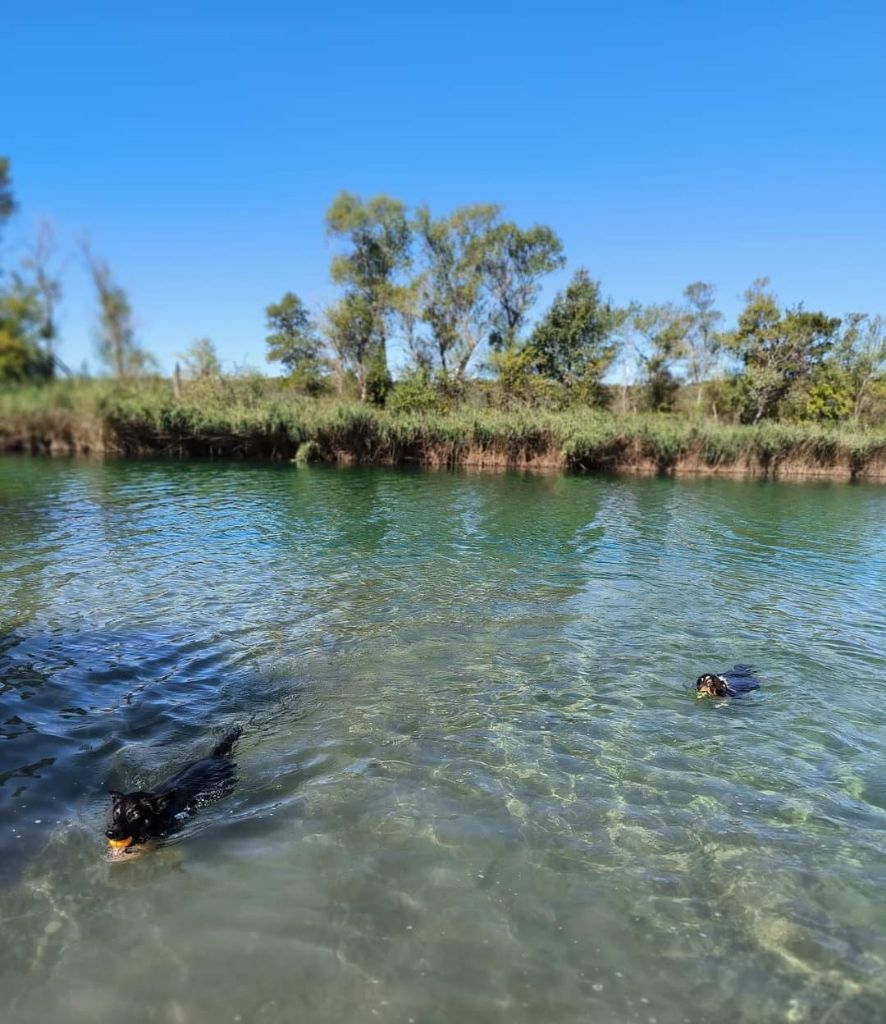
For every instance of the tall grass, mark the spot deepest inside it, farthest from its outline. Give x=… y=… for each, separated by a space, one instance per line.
x=257 y=416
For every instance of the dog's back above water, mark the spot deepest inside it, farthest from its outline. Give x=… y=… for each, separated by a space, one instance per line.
x=738 y=680
x=138 y=817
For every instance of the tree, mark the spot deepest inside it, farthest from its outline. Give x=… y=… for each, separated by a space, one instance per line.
x=480 y=278
x=777 y=349
x=117 y=346
x=861 y=354
x=453 y=294
x=349 y=329
x=578 y=338
x=409 y=313
x=201 y=359
x=823 y=395
x=514 y=262
x=47 y=287
x=662 y=330
x=7 y=198
x=21 y=356
x=378 y=234
x=294 y=342
x=701 y=339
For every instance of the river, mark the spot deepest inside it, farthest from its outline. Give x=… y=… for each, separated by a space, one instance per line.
x=474 y=782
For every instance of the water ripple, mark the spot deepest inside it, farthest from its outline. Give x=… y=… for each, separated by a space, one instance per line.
x=474 y=782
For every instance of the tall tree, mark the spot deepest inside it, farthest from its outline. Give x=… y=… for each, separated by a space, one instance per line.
x=514 y=263
x=662 y=344
x=453 y=290
x=861 y=355
x=702 y=340
x=378 y=235
x=777 y=349
x=7 y=198
x=116 y=342
x=481 y=276
x=578 y=338
x=421 y=348
x=349 y=330
x=201 y=359
x=294 y=342
x=46 y=286
x=21 y=355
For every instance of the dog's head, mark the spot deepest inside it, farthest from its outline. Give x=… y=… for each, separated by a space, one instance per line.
x=136 y=818
x=710 y=685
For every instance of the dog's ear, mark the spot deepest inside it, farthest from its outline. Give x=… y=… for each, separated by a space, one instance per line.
x=115 y=795
x=159 y=803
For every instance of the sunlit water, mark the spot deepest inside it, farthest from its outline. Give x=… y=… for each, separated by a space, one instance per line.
x=474 y=782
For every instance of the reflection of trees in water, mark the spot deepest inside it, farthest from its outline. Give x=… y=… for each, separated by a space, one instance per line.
x=33 y=503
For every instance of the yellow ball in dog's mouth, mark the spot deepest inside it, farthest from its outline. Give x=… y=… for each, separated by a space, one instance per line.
x=120 y=844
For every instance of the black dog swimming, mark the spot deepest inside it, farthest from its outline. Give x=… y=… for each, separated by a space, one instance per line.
x=137 y=818
x=738 y=680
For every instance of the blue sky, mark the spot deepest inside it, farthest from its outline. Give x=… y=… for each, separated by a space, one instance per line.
x=199 y=145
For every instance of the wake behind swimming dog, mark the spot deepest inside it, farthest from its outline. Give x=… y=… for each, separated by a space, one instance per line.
x=141 y=816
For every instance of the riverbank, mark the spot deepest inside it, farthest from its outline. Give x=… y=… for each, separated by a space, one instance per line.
x=244 y=421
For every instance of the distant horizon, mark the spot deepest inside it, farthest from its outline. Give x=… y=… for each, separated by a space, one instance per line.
x=200 y=153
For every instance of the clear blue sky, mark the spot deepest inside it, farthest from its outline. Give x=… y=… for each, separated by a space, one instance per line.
x=200 y=144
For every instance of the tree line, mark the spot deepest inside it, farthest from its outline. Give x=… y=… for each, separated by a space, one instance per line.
x=458 y=292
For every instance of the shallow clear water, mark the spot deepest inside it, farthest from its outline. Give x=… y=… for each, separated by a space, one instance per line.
x=474 y=782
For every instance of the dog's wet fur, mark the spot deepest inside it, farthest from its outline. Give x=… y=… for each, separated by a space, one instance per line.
x=141 y=817
x=736 y=681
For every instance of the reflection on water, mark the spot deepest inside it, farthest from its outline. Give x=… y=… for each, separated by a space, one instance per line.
x=474 y=783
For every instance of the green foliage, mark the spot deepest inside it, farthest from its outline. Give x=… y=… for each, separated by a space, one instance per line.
x=118 y=349
x=21 y=356
x=350 y=331
x=201 y=359
x=7 y=198
x=294 y=342
x=825 y=395
x=518 y=381
x=722 y=398
x=451 y=293
x=778 y=350
x=702 y=342
x=379 y=236
x=46 y=286
x=479 y=278
x=514 y=262
x=308 y=451
x=22 y=361
x=249 y=414
x=861 y=355
x=663 y=333
x=378 y=377
x=416 y=391
x=577 y=341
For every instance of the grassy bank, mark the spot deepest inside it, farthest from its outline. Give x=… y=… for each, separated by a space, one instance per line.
x=257 y=418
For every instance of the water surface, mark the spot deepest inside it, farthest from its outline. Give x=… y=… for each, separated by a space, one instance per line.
x=474 y=783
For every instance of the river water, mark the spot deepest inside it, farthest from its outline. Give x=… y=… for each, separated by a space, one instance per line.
x=474 y=782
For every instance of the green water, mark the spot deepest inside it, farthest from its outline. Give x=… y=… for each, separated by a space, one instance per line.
x=474 y=782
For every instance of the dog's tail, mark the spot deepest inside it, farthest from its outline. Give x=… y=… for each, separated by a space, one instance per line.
x=226 y=743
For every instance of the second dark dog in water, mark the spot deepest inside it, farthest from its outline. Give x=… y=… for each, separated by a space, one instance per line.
x=736 y=681
x=138 y=817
